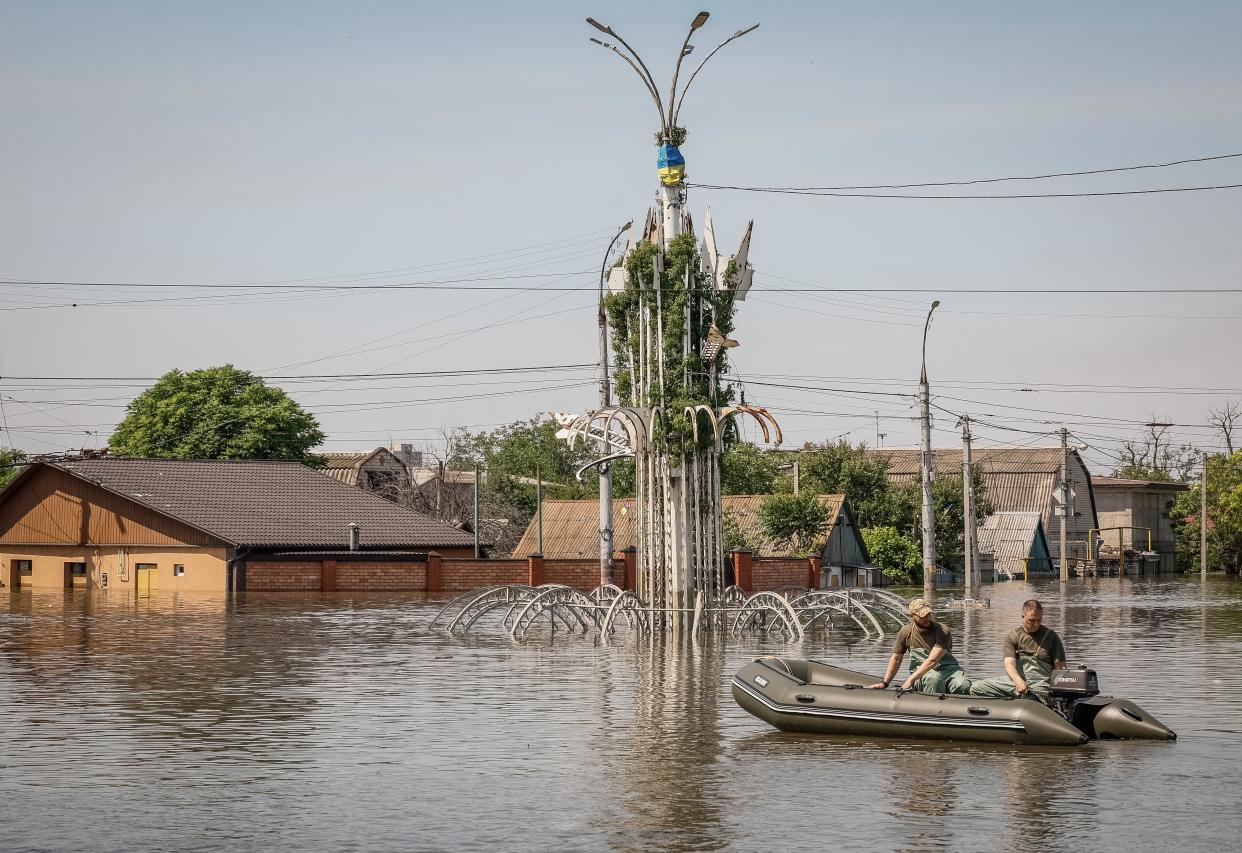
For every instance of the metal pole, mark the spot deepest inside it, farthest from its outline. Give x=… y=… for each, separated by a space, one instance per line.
x=476 y=512
x=1065 y=501
x=539 y=508
x=1203 y=519
x=971 y=558
x=797 y=471
x=929 y=518
x=605 y=400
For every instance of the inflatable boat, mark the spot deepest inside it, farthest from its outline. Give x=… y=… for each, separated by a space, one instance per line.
x=808 y=696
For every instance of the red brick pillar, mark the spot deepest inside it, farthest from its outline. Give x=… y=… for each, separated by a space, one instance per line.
x=534 y=570
x=813 y=575
x=327 y=576
x=435 y=572
x=629 y=579
x=743 y=575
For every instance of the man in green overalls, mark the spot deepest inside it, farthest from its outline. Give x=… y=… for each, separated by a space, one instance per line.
x=933 y=669
x=1032 y=652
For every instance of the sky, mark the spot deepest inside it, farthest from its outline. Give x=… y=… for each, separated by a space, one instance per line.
x=363 y=143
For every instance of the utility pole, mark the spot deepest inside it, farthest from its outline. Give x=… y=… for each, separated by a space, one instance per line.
x=1203 y=519
x=1065 y=503
x=797 y=474
x=539 y=509
x=969 y=539
x=476 y=512
x=929 y=517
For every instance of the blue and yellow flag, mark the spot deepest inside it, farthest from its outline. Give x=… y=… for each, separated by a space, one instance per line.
x=671 y=165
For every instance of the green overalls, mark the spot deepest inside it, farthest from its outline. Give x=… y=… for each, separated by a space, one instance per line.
x=1035 y=673
x=947 y=676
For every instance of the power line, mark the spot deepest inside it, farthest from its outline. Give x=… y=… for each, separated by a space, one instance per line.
x=1000 y=180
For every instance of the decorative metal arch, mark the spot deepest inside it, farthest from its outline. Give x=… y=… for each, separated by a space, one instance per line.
x=769 y=602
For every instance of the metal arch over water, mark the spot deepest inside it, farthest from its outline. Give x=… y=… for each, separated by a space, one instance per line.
x=790 y=611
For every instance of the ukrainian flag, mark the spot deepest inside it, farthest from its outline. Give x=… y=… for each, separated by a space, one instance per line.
x=671 y=165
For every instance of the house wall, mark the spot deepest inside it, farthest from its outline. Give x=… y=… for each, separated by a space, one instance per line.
x=844 y=546
x=1081 y=520
x=206 y=569
x=53 y=507
x=1139 y=508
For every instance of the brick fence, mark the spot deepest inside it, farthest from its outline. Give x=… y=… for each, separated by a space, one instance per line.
x=362 y=571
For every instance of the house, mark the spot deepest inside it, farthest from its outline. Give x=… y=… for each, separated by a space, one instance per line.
x=1018 y=544
x=571 y=531
x=1017 y=479
x=1137 y=511
x=380 y=471
x=195 y=525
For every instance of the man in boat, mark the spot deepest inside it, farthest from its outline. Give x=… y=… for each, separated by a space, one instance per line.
x=933 y=669
x=1032 y=651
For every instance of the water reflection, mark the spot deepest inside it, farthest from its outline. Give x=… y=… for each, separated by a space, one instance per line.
x=338 y=721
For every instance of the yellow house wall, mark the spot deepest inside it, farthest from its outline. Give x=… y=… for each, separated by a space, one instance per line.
x=206 y=569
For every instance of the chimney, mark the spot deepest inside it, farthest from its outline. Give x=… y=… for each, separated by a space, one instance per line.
x=407 y=454
x=354 y=539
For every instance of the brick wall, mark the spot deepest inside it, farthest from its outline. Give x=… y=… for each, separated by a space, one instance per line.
x=464 y=574
x=283 y=576
x=381 y=576
x=581 y=574
x=776 y=572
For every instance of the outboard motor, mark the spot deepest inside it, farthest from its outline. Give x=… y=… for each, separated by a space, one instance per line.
x=1075 y=695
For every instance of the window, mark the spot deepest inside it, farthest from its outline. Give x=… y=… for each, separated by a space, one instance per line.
x=76 y=570
x=178 y=570
x=25 y=567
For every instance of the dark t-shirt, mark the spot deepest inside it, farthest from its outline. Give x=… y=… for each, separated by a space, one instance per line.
x=911 y=637
x=1043 y=644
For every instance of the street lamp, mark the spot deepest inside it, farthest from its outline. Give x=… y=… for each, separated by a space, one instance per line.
x=669 y=112
x=926 y=326
x=605 y=395
x=929 y=517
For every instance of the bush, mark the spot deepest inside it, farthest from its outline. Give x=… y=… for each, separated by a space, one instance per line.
x=896 y=554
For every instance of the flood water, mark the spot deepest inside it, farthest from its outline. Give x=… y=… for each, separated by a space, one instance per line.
x=328 y=722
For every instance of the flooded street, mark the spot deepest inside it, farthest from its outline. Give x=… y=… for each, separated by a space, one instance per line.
x=341 y=722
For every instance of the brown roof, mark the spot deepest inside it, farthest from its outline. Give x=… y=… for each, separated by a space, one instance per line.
x=1137 y=485
x=266 y=504
x=571 y=527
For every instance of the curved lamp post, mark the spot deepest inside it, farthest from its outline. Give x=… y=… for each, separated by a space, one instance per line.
x=929 y=517
x=670 y=110
x=605 y=400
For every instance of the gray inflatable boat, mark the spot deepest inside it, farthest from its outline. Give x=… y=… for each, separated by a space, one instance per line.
x=807 y=696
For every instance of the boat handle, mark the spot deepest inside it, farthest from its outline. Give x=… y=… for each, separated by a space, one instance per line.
x=804 y=697
x=977 y=711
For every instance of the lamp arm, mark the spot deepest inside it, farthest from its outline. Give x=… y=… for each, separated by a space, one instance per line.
x=646 y=74
x=651 y=90
x=682 y=97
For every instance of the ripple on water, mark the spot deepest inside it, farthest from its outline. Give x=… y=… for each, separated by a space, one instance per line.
x=341 y=722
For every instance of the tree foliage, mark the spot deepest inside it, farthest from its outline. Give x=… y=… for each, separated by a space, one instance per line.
x=746 y=469
x=11 y=460
x=1224 y=505
x=217 y=413
x=899 y=556
x=795 y=522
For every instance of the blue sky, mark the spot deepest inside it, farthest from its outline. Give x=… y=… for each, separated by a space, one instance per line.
x=260 y=142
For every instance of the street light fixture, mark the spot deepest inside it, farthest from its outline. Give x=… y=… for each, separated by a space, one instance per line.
x=669 y=111
x=926 y=326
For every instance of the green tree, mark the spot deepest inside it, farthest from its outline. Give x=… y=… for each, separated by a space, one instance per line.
x=511 y=454
x=217 y=413
x=748 y=470
x=843 y=468
x=1224 y=505
x=11 y=460
x=797 y=522
x=899 y=556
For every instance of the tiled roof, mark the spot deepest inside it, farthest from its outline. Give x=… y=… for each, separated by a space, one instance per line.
x=571 y=528
x=948 y=460
x=266 y=504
